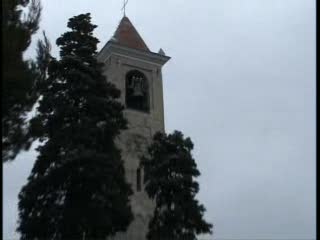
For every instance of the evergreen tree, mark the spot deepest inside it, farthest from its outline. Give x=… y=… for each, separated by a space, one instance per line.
x=43 y=59
x=40 y=67
x=169 y=180
x=77 y=186
x=18 y=75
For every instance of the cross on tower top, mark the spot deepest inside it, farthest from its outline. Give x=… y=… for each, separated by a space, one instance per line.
x=125 y=2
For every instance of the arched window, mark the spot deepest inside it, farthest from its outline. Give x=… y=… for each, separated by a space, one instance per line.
x=137 y=91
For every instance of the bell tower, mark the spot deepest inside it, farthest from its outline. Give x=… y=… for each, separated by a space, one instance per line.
x=137 y=73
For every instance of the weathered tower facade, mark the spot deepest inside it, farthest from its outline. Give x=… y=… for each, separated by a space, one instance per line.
x=137 y=72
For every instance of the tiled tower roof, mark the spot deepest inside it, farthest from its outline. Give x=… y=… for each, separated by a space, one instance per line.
x=127 y=35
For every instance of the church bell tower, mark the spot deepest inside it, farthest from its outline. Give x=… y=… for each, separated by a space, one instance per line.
x=137 y=73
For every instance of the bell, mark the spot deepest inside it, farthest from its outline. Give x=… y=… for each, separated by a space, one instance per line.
x=132 y=82
x=137 y=88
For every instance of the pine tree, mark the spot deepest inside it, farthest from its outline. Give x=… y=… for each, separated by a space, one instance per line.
x=169 y=180
x=77 y=186
x=18 y=75
x=42 y=60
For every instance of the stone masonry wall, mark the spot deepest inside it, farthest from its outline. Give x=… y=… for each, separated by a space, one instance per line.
x=134 y=141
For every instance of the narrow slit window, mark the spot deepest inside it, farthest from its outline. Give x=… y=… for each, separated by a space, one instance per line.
x=138 y=179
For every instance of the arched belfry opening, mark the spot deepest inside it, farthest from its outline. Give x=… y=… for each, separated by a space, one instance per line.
x=137 y=91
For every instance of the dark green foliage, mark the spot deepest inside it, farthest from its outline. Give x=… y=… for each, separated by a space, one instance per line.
x=18 y=75
x=77 y=185
x=169 y=180
x=43 y=60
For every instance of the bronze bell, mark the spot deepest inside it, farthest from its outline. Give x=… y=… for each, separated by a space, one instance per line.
x=137 y=87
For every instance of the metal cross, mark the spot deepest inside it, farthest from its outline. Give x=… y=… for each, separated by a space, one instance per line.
x=125 y=2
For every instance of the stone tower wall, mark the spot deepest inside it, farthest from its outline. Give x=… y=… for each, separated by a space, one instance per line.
x=134 y=141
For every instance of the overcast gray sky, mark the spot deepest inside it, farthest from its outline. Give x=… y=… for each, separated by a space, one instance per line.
x=241 y=84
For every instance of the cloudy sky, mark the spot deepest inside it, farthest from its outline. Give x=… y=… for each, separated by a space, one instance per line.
x=241 y=84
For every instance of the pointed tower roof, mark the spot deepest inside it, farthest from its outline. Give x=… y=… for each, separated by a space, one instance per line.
x=126 y=35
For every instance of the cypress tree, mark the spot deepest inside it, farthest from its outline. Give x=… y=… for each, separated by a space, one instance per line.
x=169 y=180
x=77 y=186
x=19 y=76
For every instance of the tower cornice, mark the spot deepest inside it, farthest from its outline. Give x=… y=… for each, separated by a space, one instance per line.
x=112 y=48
